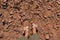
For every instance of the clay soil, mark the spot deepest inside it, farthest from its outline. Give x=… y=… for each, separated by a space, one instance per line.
x=16 y=14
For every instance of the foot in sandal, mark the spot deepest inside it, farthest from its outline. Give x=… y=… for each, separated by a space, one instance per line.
x=26 y=31
x=35 y=36
x=34 y=28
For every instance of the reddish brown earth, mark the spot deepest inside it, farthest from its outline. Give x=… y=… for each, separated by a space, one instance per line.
x=16 y=14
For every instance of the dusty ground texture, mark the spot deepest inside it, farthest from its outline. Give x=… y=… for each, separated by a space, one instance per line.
x=16 y=14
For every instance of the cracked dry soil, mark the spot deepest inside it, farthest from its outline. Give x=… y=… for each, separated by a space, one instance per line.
x=16 y=14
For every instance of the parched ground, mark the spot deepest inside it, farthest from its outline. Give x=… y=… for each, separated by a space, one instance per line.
x=16 y=14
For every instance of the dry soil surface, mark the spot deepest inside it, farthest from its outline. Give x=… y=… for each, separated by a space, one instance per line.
x=16 y=14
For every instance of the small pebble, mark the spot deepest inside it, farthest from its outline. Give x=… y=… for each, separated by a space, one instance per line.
x=58 y=2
